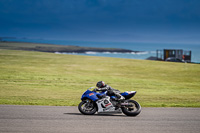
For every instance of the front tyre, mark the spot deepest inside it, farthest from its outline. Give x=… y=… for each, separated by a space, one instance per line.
x=87 y=107
x=133 y=110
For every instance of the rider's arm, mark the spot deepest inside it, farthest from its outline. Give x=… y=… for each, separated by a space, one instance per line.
x=104 y=88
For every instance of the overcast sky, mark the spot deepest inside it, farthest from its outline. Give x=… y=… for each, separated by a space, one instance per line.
x=102 y=20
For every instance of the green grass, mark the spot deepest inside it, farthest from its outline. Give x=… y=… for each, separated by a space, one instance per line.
x=36 y=78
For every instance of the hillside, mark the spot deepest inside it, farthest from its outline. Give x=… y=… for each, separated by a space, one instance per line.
x=56 y=48
x=38 y=78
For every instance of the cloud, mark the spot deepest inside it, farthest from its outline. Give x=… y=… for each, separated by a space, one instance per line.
x=105 y=19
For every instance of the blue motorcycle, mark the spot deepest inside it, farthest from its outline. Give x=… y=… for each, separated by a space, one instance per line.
x=93 y=101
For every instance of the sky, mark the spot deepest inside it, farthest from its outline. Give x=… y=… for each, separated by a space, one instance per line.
x=175 y=21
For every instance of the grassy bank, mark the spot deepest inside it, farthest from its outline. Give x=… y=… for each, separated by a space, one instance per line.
x=36 y=78
x=55 y=48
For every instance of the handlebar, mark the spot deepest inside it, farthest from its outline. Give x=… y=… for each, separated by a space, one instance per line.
x=95 y=89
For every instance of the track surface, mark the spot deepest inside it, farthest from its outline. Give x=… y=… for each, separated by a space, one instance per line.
x=53 y=119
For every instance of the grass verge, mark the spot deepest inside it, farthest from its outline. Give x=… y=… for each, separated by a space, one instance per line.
x=36 y=78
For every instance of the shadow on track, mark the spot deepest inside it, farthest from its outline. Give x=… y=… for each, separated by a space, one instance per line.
x=72 y=113
x=121 y=115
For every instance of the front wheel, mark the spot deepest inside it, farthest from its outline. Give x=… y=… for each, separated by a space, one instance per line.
x=133 y=110
x=87 y=107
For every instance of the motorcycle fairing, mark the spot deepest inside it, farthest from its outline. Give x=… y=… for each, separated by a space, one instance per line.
x=92 y=95
x=105 y=105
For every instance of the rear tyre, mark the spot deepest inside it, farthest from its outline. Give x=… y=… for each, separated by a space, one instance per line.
x=87 y=108
x=133 y=110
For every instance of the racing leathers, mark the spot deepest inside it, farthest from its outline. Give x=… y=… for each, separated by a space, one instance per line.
x=111 y=92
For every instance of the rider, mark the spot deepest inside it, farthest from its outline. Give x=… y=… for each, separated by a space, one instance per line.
x=110 y=91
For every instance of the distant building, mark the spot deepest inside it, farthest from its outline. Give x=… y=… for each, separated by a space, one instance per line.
x=176 y=55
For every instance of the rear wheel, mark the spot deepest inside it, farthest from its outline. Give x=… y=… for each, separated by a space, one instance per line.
x=132 y=110
x=87 y=107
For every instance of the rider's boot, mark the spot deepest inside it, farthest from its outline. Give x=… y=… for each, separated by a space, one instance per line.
x=119 y=97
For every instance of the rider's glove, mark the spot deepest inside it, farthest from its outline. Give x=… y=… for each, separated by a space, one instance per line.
x=97 y=89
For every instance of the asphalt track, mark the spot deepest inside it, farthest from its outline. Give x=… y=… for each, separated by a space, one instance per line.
x=56 y=119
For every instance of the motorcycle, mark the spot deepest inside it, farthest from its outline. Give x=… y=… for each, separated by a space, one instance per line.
x=93 y=101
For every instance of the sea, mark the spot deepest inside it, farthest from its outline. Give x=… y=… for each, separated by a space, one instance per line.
x=147 y=49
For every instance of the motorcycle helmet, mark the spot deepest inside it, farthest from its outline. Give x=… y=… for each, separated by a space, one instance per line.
x=100 y=84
